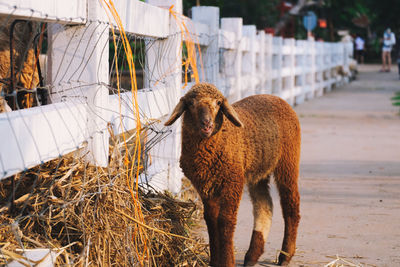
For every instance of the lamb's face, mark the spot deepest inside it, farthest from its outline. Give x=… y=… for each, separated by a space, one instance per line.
x=206 y=114
x=204 y=107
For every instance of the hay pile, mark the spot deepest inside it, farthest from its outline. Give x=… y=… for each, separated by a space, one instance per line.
x=90 y=217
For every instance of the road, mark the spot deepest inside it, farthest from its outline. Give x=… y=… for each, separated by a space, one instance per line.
x=349 y=179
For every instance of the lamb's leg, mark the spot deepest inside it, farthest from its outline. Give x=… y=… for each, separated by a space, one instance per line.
x=286 y=180
x=262 y=212
x=229 y=206
x=211 y=212
x=226 y=226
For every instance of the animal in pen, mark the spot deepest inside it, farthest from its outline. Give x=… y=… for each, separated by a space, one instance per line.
x=22 y=72
x=225 y=146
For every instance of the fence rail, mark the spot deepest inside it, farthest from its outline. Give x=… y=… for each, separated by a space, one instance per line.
x=240 y=60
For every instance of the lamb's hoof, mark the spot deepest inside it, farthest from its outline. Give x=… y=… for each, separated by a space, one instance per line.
x=284 y=260
x=250 y=260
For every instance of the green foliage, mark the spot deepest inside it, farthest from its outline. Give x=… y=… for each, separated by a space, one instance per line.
x=137 y=47
x=396 y=99
x=260 y=13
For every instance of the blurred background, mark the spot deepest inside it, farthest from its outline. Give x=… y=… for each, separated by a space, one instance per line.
x=336 y=19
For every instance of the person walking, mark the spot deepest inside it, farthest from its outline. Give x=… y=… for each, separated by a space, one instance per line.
x=388 y=41
x=360 y=46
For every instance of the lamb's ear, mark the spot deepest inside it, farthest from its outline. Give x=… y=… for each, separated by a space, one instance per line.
x=178 y=111
x=230 y=113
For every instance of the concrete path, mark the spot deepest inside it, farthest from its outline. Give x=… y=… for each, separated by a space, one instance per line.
x=349 y=179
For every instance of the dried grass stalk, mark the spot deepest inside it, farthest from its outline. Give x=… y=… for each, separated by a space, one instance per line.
x=89 y=212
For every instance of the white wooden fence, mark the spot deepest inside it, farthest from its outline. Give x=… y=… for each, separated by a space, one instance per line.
x=240 y=60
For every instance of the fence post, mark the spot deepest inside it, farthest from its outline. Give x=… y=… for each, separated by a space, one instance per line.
x=78 y=58
x=300 y=82
x=279 y=47
x=209 y=15
x=166 y=72
x=249 y=61
x=334 y=64
x=341 y=63
x=318 y=69
x=268 y=63
x=234 y=57
x=348 y=53
x=292 y=66
x=311 y=45
x=260 y=63
x=328 y=64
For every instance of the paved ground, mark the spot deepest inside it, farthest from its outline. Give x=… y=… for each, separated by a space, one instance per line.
x=349 y=178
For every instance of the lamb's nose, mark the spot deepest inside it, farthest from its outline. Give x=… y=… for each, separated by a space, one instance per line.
x=206 y=122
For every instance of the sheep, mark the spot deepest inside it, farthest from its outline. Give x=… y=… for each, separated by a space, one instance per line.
x=259 y=139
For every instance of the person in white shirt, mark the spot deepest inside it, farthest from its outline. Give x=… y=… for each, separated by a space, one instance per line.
x=388 y=41
x=360 y=46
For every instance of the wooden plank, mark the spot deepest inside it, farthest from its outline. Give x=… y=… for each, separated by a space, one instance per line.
x=234 y=57
x=36 y=135
x=143 y=19
x=227 y=39
x=209 y=17
x=64 y=12
x=286 y=49
x=137 y=17
x=199 y=32
x=152 y=105
x=245 y=44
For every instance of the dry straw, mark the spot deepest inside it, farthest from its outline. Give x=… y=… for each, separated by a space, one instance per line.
x=88 y=214
x=341 y=262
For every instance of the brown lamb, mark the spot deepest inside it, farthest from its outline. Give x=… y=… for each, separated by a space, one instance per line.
x=259 y=139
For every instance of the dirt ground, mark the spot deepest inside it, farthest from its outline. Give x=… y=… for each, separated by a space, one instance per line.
x=349 y=179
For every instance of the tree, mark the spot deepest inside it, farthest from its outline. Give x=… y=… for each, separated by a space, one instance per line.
x=260 y=13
